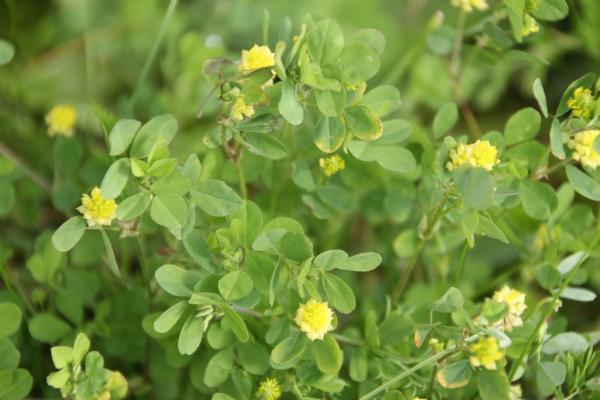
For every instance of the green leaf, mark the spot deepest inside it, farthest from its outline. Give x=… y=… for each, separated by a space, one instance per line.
x=566 y=342
x=67 y=155
x=115 y=178
x=80 y=347
x=325 y=41
x=493 y=385
x=162 y=167
x=47 y=328
x=489 y=228
x=215 y=198
x=218 y=368
x=133 y=206
x=289 y=106
x=192 y=168
x=547 y=276
x=10 y=319
x=540 y=96
x=363 y=123
x=551 y=10
x=328 y=355
x=254 y=357
x=395 y=159
x=516 y=9
x=476 y=186
x=61 y=356
x=295 y=246
x=68 y=234
x=330 y=103
x=164 y=126
x=445 y=119
x=16 y=384
x=238 y=326
x=578 y=294
x=372 y=38
x=265 y=145
x=455 y=375
x=331 y=259
x=7 y=51
x=121 y=136
x=289 y=350
x=357 y=63
x=583 y=184
x=69 y=303
x=329 y=134
x=362 y=262
x=191 y=335
x=521 y=126
x=175 y=183
x=359 y=365
x=556 y=140
x=110 y=254
x=176 y=280
x=568 y=263
x=169 y=210
x=538 y=199
x=549 y=375
x=235 y=285
x=9 y=355
x=383 y=100
x=339 y=294
x=169 y=318
x=450 y=302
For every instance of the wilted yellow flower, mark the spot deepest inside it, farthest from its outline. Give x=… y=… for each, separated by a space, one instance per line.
x=331 y=165
x=61 y=120
x=96 y=209
x=582 y=144
x=530 y=25
x=314 y=318
x=485 y=352
x=269 y=389
x=479 y=154
x=515 y=301
x=240 y=110
x=516 y=393
x=470 y=5
x=256 y=58
x=582 y=103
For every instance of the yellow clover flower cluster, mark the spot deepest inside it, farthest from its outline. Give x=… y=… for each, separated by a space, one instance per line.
x=485 y=352
x=515 y=301
x=332 y=165
x=530 y=24
x=257 y=57
x=582 y=103
x=315 y=319
x=269 y=389
x=61 y=120
x=115 y=388
x=96 y=209
x=241 y=110
x=582 y=144
x=480 y=154
x=470 y=5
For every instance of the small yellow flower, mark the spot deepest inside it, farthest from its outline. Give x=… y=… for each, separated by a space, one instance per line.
x=269 y=389
x=485 y=352
x=116 y=385
x=240 y=110
x=530 y=25
x=479 y=154
x=582 y=144
x=470 y=5
x=582 y=103
x=515 y=301
x=96 y=209
x=257 y=57
x=436 y=345
x=314 y=318
x=331 y=165
x=516 y=393
x=61 y=120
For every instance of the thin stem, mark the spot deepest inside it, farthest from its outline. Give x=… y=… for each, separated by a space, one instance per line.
x=457 y=47
x=241 y=176
x=461 y=263
x=37 y=178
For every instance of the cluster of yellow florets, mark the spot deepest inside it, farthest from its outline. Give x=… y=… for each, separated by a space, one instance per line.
x=269 y=389
x=331 y=165
x=515 y=301
x=582 y=144
x=315 y=319
x=530 y=25
x=485 y=352
x=257 y=57
x=241 y=110
x=470 y=5
x=115 y=388
x=480 y=154
x=582 y=103
x=96 y=209
x=61 y=120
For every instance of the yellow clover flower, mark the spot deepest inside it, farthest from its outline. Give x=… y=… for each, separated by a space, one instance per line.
x=269 y=389
x=241 y=110
x=582 y=144
x=116 y=385
x=485 y=352
x=314 y=318
x=582 y=103
x=515 y=301
x=470 y=5
x=331 y=165
x=257 y=57
x=530 y=25
x=61 y=120
x=479 y=154
x=516 y=393
x=96 y=209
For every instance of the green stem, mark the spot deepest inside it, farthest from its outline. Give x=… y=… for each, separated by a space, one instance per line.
x=461 y=263
x=241 y=176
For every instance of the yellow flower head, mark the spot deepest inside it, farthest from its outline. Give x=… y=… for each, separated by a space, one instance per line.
x=240 y=110
x=61 y=120
x=485 y=352
x=256 y=58
x=582 y=144
x=470 y=5
x=269 y=389
x=96 y=209
x=516 y=393
x=116 y=385
x=515 y=301
x=530 y=25
x=331 y=165
x=314 y=318
x=582 y=103
x=479 y=154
